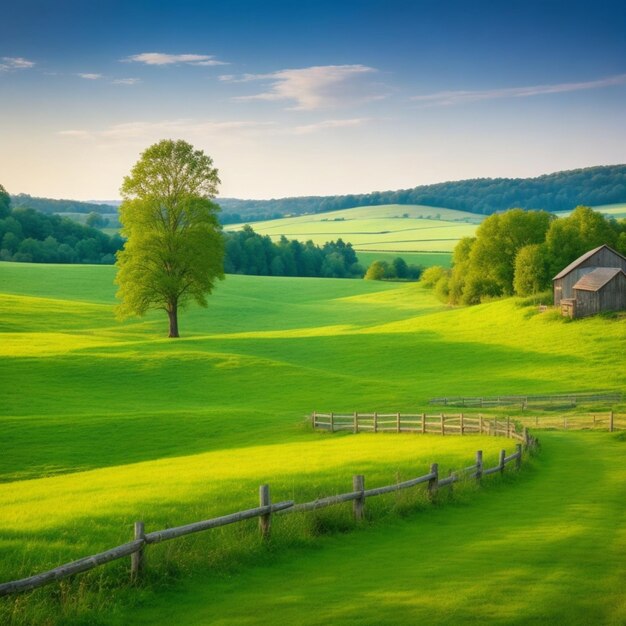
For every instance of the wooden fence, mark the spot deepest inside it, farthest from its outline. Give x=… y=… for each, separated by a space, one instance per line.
x=461 y=423
x=563 y=399
x=609 y=420
x=136 y=548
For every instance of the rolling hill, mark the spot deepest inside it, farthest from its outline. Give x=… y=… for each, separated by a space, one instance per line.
x=104 y=423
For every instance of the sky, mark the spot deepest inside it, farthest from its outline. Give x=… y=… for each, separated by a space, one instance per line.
x=308 y=97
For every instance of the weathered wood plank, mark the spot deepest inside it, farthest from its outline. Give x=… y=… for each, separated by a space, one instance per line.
x=187 y=529
x=402 y=485
x=75 y=567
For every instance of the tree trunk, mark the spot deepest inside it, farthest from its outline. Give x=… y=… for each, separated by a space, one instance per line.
x=172 y=313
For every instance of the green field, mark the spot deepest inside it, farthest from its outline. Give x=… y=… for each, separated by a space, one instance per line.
x=617 y=211
x=104 y=423
x=423 y=259
x=387 y=228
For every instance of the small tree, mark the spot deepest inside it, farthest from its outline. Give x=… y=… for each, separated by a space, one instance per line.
x=376 y=271
x=174 y=250
x=531 y=270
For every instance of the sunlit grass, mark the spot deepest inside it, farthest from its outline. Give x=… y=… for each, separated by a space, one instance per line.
x=105 y=423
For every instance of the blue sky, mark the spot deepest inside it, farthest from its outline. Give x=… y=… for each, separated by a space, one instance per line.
x=309 y=98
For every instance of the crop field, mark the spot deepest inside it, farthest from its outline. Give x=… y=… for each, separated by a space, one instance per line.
x=386 y=228
x=104 y=423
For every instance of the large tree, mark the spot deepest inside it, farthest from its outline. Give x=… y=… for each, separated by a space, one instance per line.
x=174 y=250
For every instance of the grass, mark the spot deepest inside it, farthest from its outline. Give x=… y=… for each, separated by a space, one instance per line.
x=542 y=549
x=386 y=228
x=105 y=423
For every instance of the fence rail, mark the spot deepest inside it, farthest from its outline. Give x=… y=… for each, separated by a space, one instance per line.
x=571 y=399
x=265 y=510
x=460 y=423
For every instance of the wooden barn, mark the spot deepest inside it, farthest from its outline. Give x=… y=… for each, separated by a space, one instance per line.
x=594 y=282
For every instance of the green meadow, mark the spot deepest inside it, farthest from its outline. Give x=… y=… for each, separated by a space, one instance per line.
x=104 y=423
x=387 y=228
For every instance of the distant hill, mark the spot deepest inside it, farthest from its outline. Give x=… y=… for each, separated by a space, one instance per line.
x=561 y=191
x=50 y=206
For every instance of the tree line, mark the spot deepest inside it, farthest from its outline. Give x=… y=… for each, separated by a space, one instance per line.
x=560 y=191
x=247 y=252
x=28 y=235
x=518 y=252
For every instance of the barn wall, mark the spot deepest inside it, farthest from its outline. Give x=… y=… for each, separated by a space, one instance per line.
x=612 y=297
x=587 y=302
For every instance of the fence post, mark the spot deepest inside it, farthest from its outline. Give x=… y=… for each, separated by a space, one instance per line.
x=443 y=428
x=313 y=419
x=508 y=426
x=518 y=461
x=423 y=423
x=265 y=521
x=480 y=423
x=611 y=421
x=526 y=439
x=462 y=424
x=358 y=504
x=332 y=422
x=375 y=422
x=398 y=417
x=433 y=483
x=479 y=465
x=356 y=422
x=501 y=460
x=137 y=561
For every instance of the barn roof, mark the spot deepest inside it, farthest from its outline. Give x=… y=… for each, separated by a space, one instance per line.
x=594 y=281
x=574 y=264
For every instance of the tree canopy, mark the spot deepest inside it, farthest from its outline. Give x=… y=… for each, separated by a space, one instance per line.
x=174 y=249
x=519 y=251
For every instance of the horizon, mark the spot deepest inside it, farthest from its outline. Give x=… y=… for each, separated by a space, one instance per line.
x=310 y=99
x=460 y=180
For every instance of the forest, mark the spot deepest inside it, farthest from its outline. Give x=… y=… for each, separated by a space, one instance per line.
x=561 y=191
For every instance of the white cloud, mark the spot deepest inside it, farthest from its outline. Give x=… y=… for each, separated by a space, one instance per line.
x=15 y=63
x=328 y=124
x=313 y=87
x=125 y=81
x=160 y=58
x=90 y=76
x=445 y=98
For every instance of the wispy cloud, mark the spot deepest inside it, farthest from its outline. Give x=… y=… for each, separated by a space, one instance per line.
x=308 y=129
x=130 y=131
x=90 y=76
x=315 y=87
x=161 y=58
x=447 y=98
x=125 y=81
x=15 y=63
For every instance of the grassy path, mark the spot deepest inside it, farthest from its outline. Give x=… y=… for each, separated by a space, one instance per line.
x=546 y=548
